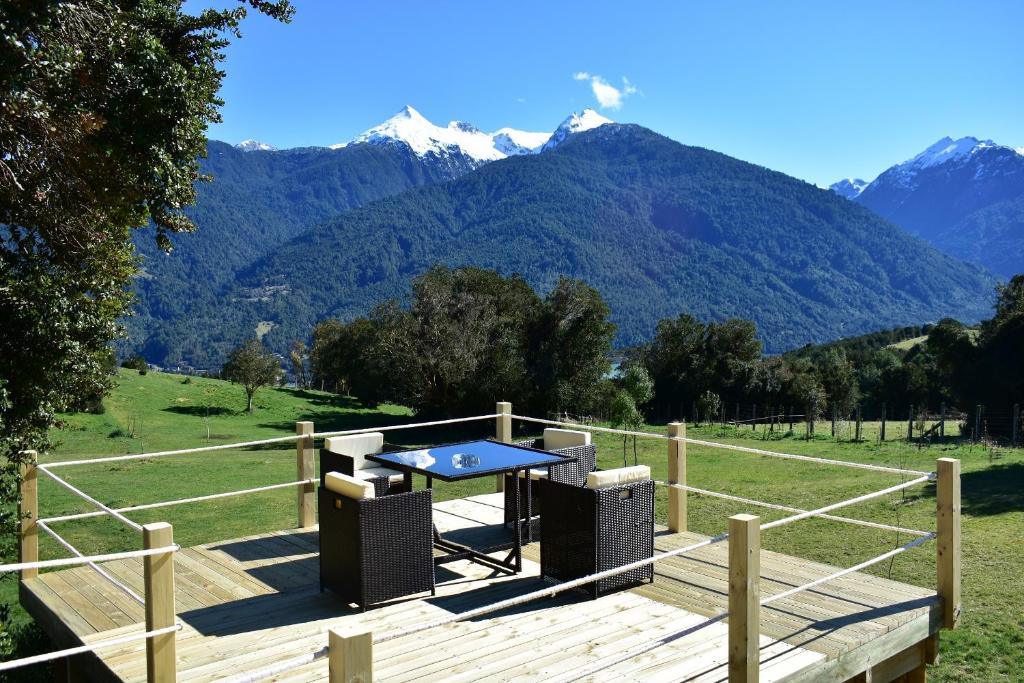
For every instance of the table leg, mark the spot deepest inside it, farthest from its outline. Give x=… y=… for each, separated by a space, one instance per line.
x=529 y=508
x=430 y=482
x=518 y=547
x=407 y=481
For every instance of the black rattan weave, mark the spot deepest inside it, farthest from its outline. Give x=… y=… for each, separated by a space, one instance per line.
x=584 y=531
x=376 y=549
x=344 y=464
x=574 y=473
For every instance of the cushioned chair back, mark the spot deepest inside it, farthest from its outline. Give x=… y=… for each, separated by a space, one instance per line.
x=357 y=447
x=564 y=438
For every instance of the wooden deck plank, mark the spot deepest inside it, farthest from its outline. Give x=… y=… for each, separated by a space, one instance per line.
x=254 y=601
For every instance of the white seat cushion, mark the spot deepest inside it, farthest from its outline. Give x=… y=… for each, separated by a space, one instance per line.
x=564 y=438
x=535 y=474
x=347 y=486
x=357 y=447
x=617 y=477
x=394 y=476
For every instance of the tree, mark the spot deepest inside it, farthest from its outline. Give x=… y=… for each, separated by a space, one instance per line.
x=839 y=379
x=252 y=366
x=136 y=362
x=105 y=107
x=624 y=415
x=709 y=404
x=636 y=382
x=297 y=356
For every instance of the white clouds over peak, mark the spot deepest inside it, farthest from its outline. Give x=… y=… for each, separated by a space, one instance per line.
x=606 y=94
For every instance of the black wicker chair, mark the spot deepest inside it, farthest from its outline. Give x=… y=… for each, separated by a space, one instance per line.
x=574 y=473
x=385 y=483
x=376 y=549
x=588 y=530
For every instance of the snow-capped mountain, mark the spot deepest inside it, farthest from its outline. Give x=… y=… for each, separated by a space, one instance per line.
x=255 y=146
x=965 y=196
x=576 y=123
x=849 y=187
x=424 y=138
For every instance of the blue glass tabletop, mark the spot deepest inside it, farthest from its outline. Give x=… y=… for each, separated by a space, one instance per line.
x=466 y=460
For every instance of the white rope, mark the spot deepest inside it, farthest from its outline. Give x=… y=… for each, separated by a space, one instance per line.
x=416 y=425
x=115 y=514
x=280 y=667
x=161 y=454
x=91 y=647
x=731 y=447
x=805 y=458
x=545 y=592
x=182 y=501
x=71 y=561
x=99 y=570
x=845 y=503
x=787 y=508
x=843 y=572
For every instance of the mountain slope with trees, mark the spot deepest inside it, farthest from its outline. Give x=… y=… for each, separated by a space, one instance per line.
x=657 y=227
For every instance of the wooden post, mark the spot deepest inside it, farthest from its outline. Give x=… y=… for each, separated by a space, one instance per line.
x=857 y=432
x=910 y=424
x=790 y=410
x=677 y=475
x=881 y=436
x=833 y=422
x=744 y=598
x=977 y=423
x=28 y=513
x=158 y=578
x=947 y=511
x=350 y=656
x=942 y=421
x=305 y=469
x=753 y=417
x=503 y=433
x=737 y=416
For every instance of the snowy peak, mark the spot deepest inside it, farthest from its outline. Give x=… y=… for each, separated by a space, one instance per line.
x=255 y=146
x=947 y=149
x=424 y=138
x=577 y=122
x=848 y=187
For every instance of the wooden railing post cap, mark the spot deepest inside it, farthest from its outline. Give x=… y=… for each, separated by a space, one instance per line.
x=503 y=407
x=744 y=517
x=677 y=429
x=303 y=427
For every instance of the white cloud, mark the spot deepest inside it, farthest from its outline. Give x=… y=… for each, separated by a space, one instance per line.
x=606 y=94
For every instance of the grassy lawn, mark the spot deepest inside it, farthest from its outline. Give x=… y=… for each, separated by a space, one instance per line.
x=157 y=412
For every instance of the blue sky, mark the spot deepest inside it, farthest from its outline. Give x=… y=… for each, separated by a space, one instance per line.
x=819 y=90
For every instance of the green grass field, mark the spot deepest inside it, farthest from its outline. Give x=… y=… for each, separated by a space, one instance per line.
x=158 y=412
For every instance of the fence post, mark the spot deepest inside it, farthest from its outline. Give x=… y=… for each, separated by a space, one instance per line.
x=947 y=503
x=28 y=512
x=942 y=421
x=349 y=656
x=744 y=598
x=677 y=475
x=1016 y=423
x=790 y=411
x=910 y=424
x=833 y=422
x=158 y=578
x=503 y=433
x=737 y=416
x=881 y=436
x=753 y=417
x=858 y=432
x=305 y=469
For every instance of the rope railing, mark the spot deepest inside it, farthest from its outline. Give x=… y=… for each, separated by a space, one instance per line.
x=86 y=559
x=90 y=647
x=787 y=508
x=92 y=564
x=731 y=447
x=85 y=496
x=415 y=425
x=181 y=501
x=849 y=570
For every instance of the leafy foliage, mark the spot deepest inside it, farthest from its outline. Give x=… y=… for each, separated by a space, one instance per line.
x=253 y=367
x=468 y=338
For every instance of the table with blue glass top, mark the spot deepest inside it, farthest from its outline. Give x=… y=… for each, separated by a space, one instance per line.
x=455 y=462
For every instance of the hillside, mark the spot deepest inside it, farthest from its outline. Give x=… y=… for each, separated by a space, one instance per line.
x=256 y=201
x=964 y=196
x=656 y=226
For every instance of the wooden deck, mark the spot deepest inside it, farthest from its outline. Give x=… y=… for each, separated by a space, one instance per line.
x=250 y=602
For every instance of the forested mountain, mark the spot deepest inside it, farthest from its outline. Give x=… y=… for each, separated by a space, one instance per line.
x=257 y=200
x=964 y=196
x=657 y=227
